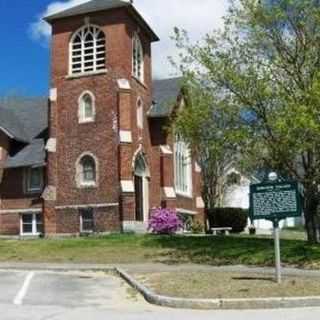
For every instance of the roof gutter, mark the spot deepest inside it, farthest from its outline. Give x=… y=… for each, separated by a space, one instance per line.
x=11 y=136
x=6 y=132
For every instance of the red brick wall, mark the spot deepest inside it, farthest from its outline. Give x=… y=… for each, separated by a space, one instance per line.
x=12 y=193
x=10 y=224
x=101 y=137
x=105 y=220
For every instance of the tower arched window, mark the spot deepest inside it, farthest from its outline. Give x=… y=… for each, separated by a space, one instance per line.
x=138 y=59
x=87 y=50
x=87 y=171
x=86 y=107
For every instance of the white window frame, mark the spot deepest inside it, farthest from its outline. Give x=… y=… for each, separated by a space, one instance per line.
x=140 y=114
x=137 y=51
x=27 y=180
x=97 y=63
x=81 y=108
x=183 y=172
x=79 y=172
x=34 y=223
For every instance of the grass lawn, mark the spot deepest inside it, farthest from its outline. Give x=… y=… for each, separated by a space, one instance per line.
x=215 y=285
x=171 y=250
x=293 y=234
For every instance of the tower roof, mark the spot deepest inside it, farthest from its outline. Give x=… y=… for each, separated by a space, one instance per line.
x=102 y=5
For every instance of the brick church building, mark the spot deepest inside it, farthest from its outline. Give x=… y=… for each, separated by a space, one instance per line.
x=96 y=156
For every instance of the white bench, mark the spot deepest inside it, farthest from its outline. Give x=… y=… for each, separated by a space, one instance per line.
x=216 y=231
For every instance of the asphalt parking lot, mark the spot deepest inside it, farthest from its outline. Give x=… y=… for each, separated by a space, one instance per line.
x=65 y=289
x=40 y=295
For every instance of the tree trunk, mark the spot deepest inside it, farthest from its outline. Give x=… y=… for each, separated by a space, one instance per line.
x=209 y=204
x=311 y=217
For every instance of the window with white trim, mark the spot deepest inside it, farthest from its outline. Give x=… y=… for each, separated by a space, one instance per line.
x=183 y=168
x=86 y=108
x=87 y=220
x=31 y=224
x=140 y=113
x=87 y=50
x=34 y=179
x=88 y=171
x=138 y=59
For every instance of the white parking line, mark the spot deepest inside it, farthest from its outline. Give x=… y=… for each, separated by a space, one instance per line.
x=24 y=289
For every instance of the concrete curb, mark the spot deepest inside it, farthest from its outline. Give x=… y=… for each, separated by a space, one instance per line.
x=171 y=302
x=216 y=304
x=57 y=268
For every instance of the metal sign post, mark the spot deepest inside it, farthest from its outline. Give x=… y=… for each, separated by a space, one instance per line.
x=276 y=233
x=274 y=201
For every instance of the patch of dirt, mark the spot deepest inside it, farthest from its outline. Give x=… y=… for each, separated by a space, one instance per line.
x=214 y=285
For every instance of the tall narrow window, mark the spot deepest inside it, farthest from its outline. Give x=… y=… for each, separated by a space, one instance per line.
x=34 y=179
x=86 y=108
x=138 y=59
x=87 y=50
x=183 y=169
x=87 y=171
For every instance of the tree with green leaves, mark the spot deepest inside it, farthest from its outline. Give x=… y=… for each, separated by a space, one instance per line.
x=203 y=125
x=262 y=74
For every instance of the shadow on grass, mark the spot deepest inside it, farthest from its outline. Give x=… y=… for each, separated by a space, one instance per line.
x=253 y=279
x=232 y=250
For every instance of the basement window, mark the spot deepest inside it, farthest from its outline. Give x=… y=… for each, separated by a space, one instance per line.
x=31 y=224
x=86 y=221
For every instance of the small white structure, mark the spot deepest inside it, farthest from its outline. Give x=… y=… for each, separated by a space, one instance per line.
x=236 y=195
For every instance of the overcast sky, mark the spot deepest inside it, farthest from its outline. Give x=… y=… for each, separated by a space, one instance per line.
x=196 y=16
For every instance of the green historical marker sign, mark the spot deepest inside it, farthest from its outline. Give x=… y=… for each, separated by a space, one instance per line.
x=275 y=201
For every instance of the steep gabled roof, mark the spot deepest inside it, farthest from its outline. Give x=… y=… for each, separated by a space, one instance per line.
x=165 y=95
x=11 y=126
x=24 y=118
x=102 y=5
x=31 y=155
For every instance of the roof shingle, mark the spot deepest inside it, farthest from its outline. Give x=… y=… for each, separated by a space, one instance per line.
x=101 y=5
x=165 y=94
x=25 y=120
x=31 y=155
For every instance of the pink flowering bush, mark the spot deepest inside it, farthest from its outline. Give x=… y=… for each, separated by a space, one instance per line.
x=164 y=221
